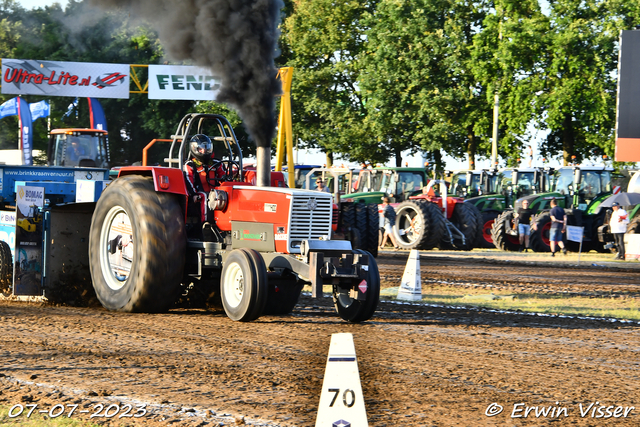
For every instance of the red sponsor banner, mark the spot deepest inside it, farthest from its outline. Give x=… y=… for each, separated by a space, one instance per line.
x=57 y=78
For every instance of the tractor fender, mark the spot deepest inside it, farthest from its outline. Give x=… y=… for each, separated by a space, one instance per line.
x=165 y=180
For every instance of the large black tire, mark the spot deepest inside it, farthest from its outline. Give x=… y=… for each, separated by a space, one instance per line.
x=284 y=292
x=244 y=285
x=634 y=225
x=419 y=225
x=362 y=224
x=485 y=240
x=6 y=268
x=539 y=238
x=347 y=224
x=501 y=239
x=465 y=218
x=351 y=309
x=373 y=226
x=147 y=277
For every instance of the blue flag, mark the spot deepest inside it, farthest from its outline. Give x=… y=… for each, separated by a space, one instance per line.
x=20 y=107
x=9 y=108
x=98 y=120
x=39 y=109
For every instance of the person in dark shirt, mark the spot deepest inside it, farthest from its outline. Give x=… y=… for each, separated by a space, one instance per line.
x=524 y=215
x=389 y=222
x=558 y=226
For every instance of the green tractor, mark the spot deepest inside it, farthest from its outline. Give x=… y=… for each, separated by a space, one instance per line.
x=493 y=192
x=577 y=189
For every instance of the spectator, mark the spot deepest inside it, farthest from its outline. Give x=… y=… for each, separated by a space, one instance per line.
x=321 y=187
x=523 y=216
x=558 y=226
x=618 y=226
x=389 y=222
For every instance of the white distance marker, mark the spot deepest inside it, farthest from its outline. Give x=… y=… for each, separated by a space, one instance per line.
x=341 y=399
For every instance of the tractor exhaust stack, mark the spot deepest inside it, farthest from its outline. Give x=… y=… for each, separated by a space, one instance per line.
x=263 y=166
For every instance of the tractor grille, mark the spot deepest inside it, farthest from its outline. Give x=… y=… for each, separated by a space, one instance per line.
x=307 y=223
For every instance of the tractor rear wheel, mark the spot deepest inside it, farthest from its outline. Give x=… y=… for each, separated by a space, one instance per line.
x=6 y=268
x=419 y=225
x=373 y=227
x=351 y=309
x=244 y=285
x=465 y=218
x=485 y=240
x=501 y=239
x=634 y=225
x=137 y=246
x=539 y=238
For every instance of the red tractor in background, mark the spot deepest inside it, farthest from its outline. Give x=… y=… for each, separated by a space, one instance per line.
x=147 y=245
x=433 y=219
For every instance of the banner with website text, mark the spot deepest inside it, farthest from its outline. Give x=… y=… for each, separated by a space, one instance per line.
x=58 y=78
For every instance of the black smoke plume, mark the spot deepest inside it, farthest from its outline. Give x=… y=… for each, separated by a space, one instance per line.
x=235 y=39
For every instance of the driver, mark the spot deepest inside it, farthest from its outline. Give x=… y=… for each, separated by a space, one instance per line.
x=201 y=171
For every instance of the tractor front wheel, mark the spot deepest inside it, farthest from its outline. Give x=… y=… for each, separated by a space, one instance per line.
x=486 y=224
x=501 y=239
x=539 y=238
x=419 y=225
x=244 y=285
x=137 y=247
x=354 y=310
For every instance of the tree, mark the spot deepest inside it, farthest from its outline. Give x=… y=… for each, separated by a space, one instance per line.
x=507 y=61
x=325 y=38
x=421 y=93
x=578 y=102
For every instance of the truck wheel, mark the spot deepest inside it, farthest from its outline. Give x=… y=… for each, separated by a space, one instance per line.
x=502 y=240
x=419 y=225
x=351 y=309
x=243 y=286
x=465 y=219
x=539 y=238
x=143 y=272
x=6 y=268
x=284 y=291
x=485 y=239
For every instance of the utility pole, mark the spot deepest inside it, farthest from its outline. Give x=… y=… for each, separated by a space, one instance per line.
x=496 y=107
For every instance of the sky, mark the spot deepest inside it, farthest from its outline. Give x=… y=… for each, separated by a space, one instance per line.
x=31 y=4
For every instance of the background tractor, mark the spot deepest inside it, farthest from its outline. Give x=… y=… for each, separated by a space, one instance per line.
x=265 y=243
x=521 y=184
x=577 y=189
x=434 y=219
x=354 y=221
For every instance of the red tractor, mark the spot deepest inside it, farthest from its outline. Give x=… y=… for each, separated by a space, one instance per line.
x=147 y=244
x=434 y=219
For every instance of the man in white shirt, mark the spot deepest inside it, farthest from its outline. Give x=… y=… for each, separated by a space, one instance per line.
x=618 y=226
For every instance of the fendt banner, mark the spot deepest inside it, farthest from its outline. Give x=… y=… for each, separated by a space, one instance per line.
x=183 y=82
x=57 y=78
x=628 y=114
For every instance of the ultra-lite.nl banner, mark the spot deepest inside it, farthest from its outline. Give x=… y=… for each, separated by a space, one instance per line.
x=57 y=78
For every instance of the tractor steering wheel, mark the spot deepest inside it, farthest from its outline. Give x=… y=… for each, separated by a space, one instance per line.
x=231 y=169
x=214 y=181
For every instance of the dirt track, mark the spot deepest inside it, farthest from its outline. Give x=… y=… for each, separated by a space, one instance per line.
x=419 y=366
